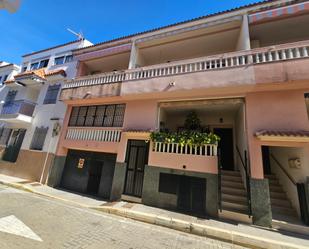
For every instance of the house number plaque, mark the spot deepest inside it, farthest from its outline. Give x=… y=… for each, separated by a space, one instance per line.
x=81 y=163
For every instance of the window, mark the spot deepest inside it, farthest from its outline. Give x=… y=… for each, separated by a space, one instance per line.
x=0 y=79
x=5 y=135
x=59 y=60
x=10 y=97
x=68 y=58
x=5 y=78
x=34 y=66
x=168 y=183
x=43 y=63
x=51 y=94
x=38 y=138
x=24 y=69
x=98 y=116
x=63 y=59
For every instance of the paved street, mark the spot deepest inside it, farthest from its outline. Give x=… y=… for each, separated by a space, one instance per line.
x=30 y=221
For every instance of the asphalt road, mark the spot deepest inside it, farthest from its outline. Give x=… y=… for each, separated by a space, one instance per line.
x=31 y=221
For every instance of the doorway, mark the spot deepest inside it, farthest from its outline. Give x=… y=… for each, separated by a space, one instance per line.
x=136 y=158
x=192 y=195
x=226 y=147
x=94 y=177
x=266 y=160
x=12 y=150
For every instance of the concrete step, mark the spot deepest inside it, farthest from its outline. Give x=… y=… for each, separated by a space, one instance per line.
x=277 y=189
x=284 y=211
x=234 y=199
x=231 y=178
x=273 y=182
x=280 y=202
x=271 y=177
x=238 y=216
x=234 y=206
x=278 y=195
x=230 y=173
x=231 y=184
x=233 y=191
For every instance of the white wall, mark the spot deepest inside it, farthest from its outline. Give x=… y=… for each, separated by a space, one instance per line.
x=283 y=154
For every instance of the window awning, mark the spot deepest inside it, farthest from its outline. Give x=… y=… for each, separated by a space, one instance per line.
x=283 y=135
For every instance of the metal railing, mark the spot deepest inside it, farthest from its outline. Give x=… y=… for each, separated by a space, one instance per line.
x=24 y=107
x=244 y=164
x=276 y=53
x=283 y=170
x=219 y=181
x=91 y=134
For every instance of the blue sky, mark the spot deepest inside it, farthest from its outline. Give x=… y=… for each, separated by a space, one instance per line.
x=39 y=24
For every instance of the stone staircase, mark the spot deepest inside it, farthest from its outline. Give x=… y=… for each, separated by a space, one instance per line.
x=234 y=194
x=280 y=204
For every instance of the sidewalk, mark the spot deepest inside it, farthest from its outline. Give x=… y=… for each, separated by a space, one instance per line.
x=240 y=234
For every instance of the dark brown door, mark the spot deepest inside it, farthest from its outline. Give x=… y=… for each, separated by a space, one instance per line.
x=192 y=195
x=226 y=147
x=136 y=158
x=94 y=177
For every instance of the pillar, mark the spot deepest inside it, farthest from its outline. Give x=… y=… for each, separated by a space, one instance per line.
x=243 y=42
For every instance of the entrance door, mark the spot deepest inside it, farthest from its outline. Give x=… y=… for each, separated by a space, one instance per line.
x=136 y=158
x=94 y=177
x=192 y=195
x=266 y=160
x=226 y=147
x=12 y=150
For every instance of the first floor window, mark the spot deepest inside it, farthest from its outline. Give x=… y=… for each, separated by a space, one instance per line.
x=52 y=94
x=98 y=115
x=38 y=138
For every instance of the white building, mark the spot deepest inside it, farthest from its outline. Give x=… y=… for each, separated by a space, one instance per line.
x=31 y=114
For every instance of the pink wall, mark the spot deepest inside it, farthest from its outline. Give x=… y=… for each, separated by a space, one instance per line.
x=141 y=115
x=281 y=110
x=203 y=164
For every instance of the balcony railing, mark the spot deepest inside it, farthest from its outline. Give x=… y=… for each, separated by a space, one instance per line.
x=276 y=53
x=18 y=107
x=92 y=134
x=175 y=148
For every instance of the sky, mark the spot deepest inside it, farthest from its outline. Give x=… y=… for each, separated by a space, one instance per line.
x=39 y=24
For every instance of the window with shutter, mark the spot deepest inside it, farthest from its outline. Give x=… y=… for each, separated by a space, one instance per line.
x=38 y=138
x=98 y=116
x=52 y=94
x=5 y=135
x=10 y=97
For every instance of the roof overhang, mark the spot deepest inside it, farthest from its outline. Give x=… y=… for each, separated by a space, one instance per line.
x=283 y=136
x=29 y=78
x=16 y=119
x=55 y=75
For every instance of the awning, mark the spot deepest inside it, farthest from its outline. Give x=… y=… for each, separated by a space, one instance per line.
x=283 y=135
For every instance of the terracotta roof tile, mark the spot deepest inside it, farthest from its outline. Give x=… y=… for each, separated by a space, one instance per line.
x=282 y=133
x=39 y=72
x=55 y=72
x=9 y=81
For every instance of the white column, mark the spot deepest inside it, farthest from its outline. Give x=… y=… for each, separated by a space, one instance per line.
x=243 y=42
x=134 y=56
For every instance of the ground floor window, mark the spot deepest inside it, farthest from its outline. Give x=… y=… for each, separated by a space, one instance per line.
x=38 y=139
x=5 y=135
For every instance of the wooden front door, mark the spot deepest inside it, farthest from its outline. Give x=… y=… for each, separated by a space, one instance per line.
x=136 y=158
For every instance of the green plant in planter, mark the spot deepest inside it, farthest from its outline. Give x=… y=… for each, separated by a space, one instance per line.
x=192 y=121
x=191 y=138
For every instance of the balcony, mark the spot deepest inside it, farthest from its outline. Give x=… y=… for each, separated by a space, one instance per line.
x=199 y=158
x=104 y=139
x=273 y=64
x=17 y=112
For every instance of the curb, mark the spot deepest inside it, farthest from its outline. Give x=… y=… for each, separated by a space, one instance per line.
x=232 y=237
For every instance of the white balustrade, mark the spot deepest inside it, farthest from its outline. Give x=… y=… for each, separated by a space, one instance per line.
x=229 y=60
x=175 y=148
x=93 y=134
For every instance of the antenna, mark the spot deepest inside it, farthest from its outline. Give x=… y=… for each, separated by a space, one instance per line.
x=79 y=35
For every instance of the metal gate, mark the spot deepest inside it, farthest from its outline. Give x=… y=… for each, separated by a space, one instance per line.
x=136 y=158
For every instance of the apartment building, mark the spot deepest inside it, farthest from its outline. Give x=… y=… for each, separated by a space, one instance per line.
x=31 y=115
x=241 y=74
